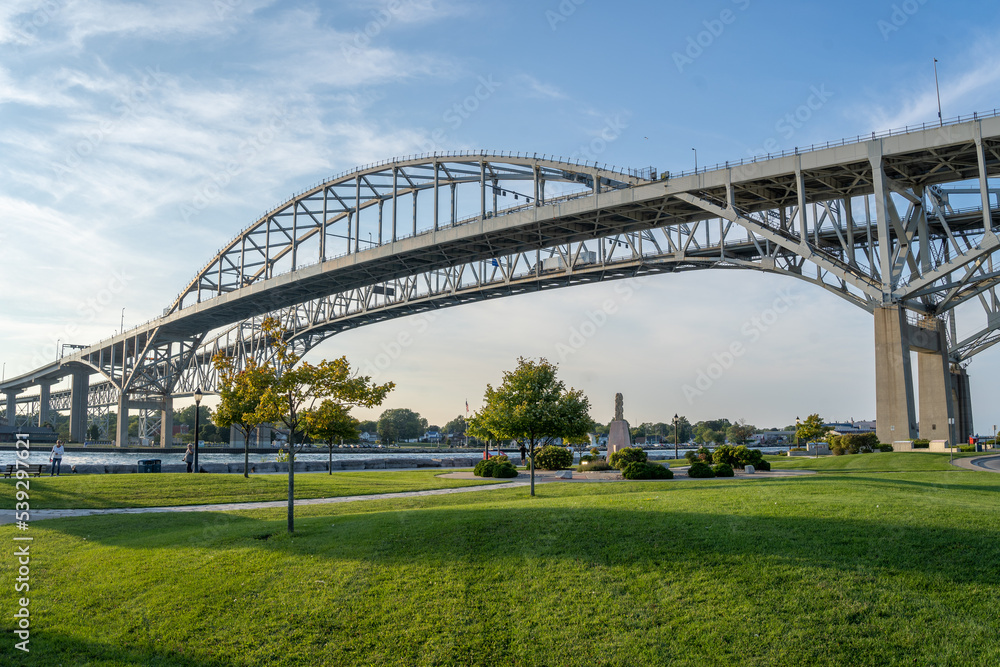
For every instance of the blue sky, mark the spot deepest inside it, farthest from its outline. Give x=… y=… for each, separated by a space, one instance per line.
x=118 y=119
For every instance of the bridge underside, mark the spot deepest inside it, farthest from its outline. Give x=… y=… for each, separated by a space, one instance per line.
x=902 y=226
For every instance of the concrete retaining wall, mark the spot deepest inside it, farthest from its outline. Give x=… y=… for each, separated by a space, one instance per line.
x=275 y=467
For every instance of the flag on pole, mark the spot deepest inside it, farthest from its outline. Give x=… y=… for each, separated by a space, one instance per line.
x=466 y=406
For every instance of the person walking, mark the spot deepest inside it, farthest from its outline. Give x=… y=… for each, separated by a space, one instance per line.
x=55 y=458
x=189 y=457
x=524 y=454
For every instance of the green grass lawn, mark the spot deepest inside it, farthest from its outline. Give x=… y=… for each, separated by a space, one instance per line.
x=133 y=490
x=828 y=569
x=877 y=462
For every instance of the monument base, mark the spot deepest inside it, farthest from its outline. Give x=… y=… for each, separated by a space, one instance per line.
x=618 y=436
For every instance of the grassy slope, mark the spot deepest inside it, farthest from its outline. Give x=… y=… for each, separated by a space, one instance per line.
x=100 y=491
x=822 y=570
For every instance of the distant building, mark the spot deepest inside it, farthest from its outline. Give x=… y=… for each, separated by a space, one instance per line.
x=851 y=427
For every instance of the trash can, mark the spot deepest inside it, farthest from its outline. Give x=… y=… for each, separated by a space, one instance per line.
x=149 y=465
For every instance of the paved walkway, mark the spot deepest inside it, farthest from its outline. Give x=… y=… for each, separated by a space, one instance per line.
x=541 y=477
x=990 y=463
x=38 y=515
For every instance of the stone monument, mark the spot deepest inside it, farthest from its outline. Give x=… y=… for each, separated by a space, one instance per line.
x=618 y=435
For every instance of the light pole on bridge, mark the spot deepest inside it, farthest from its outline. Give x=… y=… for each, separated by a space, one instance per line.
x=695 y=160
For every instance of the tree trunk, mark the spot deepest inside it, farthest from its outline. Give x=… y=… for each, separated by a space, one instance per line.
x=531 y=457
x=291 y=481
x=246 y=454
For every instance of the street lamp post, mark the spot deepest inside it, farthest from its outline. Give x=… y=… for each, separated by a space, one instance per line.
x=197 y=410
x=675 y=435
x=797 y=422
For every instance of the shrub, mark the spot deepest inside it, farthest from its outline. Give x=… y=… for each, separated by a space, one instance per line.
x=504 y=469
x=921 y=444
x=723 y=470
x=762 y=465
x=553 y=457
x=595 y=452
x=964 y=448
x=838 y=450
x=725 y=454
x=835 y=442
x=700 y=469
x=704 y=453
x=885 y=447
x=691 y=456
x=485 y=468
x=591 y=466
x=746 y=456
x=646 y=470
x=627 y=455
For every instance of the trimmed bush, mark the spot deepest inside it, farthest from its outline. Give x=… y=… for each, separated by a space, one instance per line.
x=725 y=454
x=700 y=469
x=762 y=465
x=595 y=452
x=591 y=466
x=488 y=467
x=723 y=470
x=485 y=468
x=623 y=457
x=691 y=456
x=885 y=447
x=646 y=470
x=965 y=448
x=705 y=454
x=921 y=444
x=504 y=469
x=748 y=457
x=553 y=457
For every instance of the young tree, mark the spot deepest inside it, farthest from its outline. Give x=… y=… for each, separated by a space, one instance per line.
x=300 y=385
x=811 y=429
x=328 y=422
x=531 y=404
x=241 y=392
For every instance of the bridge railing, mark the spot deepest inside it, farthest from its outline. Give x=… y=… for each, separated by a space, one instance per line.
x=842 y=142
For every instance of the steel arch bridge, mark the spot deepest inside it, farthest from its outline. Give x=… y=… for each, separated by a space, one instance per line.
x=900 y=223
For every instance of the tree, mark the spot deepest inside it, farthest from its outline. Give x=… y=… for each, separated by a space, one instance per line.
x=330 y=421
x=241 y=392
x=299 y=385
x=93 y=432
x=811 y=429
x=368 y=426
x=456 y=426
x=741 y=432
x=400 y=424
x=532 y=405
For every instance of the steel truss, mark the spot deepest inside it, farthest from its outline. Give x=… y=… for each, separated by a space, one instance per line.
x=874 y=223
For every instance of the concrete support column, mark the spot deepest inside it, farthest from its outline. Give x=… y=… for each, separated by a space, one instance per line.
x=962 y=400
x=79 y=387
x=121 y=437
x=934 y=378
x=43 y=403
x=167 y=422
x=12 y=408
x=894 y=405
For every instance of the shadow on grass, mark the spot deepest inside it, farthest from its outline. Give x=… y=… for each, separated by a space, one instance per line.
x=894 y=482
x=51 y=648
x=601 y=536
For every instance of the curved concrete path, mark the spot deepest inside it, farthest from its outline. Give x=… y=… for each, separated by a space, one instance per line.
x=7 y=516
x=989 y=463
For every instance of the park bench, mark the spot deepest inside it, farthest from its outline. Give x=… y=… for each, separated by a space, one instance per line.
x=35 y=470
